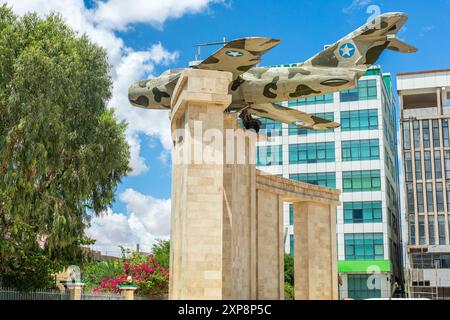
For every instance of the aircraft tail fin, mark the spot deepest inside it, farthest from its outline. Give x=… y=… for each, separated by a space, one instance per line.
x=362 y=48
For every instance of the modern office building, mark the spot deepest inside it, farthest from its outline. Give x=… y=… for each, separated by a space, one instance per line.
x=360 y=159
x=424 y=99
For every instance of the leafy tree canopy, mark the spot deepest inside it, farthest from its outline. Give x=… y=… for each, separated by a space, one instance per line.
x=289 y=269
x=62 y=152
x=161 y=252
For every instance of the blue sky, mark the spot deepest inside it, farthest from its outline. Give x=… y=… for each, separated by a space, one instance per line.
x=304 y=27
x=145 y=37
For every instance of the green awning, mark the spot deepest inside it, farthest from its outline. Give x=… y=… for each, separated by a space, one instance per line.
x=364 y=266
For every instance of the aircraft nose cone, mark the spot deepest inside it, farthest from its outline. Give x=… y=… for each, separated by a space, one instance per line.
x=137 y=97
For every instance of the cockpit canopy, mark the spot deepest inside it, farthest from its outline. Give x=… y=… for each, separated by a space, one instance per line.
x=172 y=71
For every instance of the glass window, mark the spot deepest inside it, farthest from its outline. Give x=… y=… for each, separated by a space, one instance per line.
x=364 y=246
x=294 y=130
x=448 y=222
x=416 y=134
x=354 y=181
x=421 y=230
x=356 y=150
x=418 y=165
x=426 y=133
x=447 y=164
x=412 y=229
x=431 y=237
x=326 y=98
x=311 y=153
x=272 y=127
x=441 y=229
x=445 y=137
x=372 y=72
x=326 y=179
x=410 y=197
x=359 y=288
x=366 y=90
x=439 y=197
x=437 y=164
x=363 y=212
x=436 y=140
x=408 y=166
x=406 y=136
x=448 y=196
x=269 y=155
x=359 y=120
x=419 y=188
x=427 y=157
x=291 y=215
x=430 y=201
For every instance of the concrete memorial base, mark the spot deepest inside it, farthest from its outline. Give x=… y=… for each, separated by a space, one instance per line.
x=227 y=217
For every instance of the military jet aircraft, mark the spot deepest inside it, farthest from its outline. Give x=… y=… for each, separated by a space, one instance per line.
x=257 y=90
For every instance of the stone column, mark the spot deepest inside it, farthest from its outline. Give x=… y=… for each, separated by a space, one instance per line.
x=239 y=265
x=197 y=242
x=315 y=256
x=269 y=246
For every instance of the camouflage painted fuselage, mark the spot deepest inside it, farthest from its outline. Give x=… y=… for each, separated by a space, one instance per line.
x=257 y=86
x=272 y=85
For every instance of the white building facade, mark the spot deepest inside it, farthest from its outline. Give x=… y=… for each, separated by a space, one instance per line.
x=424 y=99
x=359 y=158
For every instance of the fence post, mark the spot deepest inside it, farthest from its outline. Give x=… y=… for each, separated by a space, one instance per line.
x=128 y=291
x=75 y=289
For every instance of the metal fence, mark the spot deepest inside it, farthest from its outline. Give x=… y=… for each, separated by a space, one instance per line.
x=47 y=294
x=101 y=296
x=43 y=294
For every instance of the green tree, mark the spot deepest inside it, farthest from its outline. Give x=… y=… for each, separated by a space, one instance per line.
x=161 y=252
x=62 y=152
x=288 y=276
x=289 y=269
x=32 y=271
x=95 y=272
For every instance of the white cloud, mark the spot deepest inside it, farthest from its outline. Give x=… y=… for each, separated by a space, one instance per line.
x=118 y=14
x=146 y=220
x=425 y=30
x=112 y=229
x=128 y=65
x=136 y=65
x=355 y=5
x=154 y=214
x=137 y=162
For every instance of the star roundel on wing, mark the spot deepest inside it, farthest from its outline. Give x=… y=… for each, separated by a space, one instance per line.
x=234 y=53
x=347 y=50
x=239 y=55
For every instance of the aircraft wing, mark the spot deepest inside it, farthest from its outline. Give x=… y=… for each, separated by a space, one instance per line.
x=290 y=116
x=400 y=46
x=238 y=56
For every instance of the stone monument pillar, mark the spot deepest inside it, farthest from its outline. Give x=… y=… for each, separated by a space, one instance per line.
x=197 y=220
x=315 y=251
x=239 y=211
